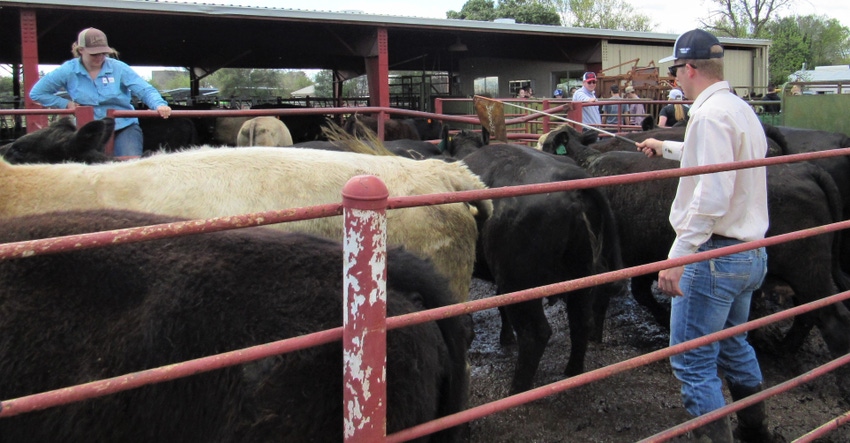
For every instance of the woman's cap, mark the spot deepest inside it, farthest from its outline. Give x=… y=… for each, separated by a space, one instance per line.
x=694 y=45
x=675 y=94
x=94 y=40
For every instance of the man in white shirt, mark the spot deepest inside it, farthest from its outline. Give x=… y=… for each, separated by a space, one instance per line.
x=587 y=93
x=711 y=211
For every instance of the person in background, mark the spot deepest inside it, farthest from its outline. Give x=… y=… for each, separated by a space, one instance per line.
x=637 y=111
x=93 y=78
x=674 y=112
x=558 y=93
x=615 y=114
x=523 y=93
x=772 y=96
x=530 y=92
x=712 y=211
x=587 y=93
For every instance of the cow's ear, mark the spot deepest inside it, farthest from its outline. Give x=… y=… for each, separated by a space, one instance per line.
x=648 y=123
x=92 y=136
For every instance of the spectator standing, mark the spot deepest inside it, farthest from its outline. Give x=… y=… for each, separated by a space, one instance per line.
x=93 y=78
x=587 y=93
x=615 y=114
x=709 y=212
x=637 y=111
x=674 y=112
x=772 y=96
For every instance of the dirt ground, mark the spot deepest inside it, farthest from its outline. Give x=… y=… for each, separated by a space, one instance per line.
x=633 y=405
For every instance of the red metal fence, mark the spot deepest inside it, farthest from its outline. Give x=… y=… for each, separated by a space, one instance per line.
x=364 y=198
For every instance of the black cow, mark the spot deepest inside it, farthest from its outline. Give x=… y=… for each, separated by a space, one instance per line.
x=304 y=127
x=169 y=135
x=810 y=140
x=541 y=239
x=62 y=142
x=394 y=129
x=80 y=316
x=799 y=196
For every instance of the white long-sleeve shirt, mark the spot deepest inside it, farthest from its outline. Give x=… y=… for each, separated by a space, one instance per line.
x=722 y=129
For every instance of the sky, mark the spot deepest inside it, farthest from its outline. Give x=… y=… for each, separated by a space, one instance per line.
x=673 y=17
x=668 y=16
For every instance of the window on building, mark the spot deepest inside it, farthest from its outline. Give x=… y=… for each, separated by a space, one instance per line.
x=515 y=85
x=487 y=86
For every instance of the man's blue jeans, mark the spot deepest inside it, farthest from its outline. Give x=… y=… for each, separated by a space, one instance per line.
x=128 y=141
x=717 y=296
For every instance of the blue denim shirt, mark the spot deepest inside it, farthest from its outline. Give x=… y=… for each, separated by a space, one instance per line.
x=112 y=89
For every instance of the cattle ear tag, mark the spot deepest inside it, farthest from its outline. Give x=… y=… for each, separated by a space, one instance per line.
x=562 y=150
x=442 y=146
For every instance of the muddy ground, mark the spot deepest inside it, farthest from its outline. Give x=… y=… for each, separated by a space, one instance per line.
x=636 y=404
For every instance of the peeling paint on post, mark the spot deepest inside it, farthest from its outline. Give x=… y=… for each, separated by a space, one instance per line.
x=364 y=337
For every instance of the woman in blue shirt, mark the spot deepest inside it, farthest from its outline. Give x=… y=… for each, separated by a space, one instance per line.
x=92 y=78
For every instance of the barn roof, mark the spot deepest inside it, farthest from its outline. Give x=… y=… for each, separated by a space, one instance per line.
x=207 y=36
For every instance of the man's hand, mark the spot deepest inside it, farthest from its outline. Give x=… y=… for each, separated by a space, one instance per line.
x=668 y=281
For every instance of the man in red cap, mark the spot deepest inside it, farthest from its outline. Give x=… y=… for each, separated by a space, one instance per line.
x=587 y=93
x=712 y=211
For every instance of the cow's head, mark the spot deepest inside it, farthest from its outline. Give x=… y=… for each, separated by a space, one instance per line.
x=562 y=141
x=465 y=142
x=61 y=142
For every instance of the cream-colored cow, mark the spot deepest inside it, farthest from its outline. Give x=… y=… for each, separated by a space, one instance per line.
x=264 y=131
x=205 y=182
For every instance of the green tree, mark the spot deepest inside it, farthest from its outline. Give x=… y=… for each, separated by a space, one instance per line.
x=324 y=83
x=813 y=40
x=173 y=80
x=539 y=12
x=597 y=14
x=788 y=51
x=247 y=82
x=480 y=10
x=742 y=18
x=294 y=80
x=529 y=11
x=828 y=40
x=354 y=87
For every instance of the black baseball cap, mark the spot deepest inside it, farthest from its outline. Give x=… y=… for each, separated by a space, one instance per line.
x=694 y=45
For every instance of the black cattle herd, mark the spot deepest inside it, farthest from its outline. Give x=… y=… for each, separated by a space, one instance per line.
x=76 y=317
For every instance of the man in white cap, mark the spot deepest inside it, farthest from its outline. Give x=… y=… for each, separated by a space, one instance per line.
x=587 y=93
x=709 y=212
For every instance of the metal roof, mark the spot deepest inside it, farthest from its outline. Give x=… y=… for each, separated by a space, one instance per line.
x=191 y=34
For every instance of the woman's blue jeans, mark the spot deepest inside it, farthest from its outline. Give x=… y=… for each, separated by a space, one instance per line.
x=717 y=296
x=128 y=141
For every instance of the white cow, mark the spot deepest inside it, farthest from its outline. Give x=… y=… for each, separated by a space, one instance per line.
x=206 y=182
x=264 y=131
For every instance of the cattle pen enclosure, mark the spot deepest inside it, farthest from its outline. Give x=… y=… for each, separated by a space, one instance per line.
x=10 y=407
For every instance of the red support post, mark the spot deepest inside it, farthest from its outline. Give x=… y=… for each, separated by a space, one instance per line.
x=364 y=336
x=109 y=148
x=29 y=54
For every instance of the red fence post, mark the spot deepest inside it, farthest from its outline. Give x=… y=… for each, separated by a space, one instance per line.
x=364 y=336
x=83 y=115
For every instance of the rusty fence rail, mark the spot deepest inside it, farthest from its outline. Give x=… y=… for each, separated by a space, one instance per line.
x=130 y=381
